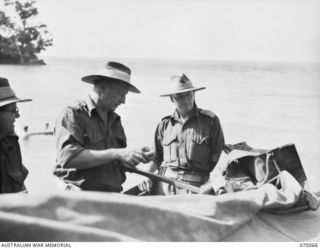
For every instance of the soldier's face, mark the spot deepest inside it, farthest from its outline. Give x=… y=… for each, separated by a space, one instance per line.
x=183 y=101
x=8 y=115
x=115 y=95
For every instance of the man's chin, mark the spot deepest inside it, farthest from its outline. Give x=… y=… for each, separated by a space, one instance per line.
x=115 y=107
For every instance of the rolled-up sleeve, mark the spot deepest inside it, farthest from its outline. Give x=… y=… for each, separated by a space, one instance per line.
x=69 y=136
x=158 y=159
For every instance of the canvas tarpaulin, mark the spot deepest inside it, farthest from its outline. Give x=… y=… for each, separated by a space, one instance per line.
x=255 y=215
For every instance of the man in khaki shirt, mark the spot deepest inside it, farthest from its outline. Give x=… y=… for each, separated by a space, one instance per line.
x=90 y=140
x=187 y=143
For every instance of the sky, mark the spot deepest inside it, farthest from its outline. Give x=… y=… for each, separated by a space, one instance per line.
x=246 y=30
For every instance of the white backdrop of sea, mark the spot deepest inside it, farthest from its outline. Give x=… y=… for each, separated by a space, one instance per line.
x=264 y=104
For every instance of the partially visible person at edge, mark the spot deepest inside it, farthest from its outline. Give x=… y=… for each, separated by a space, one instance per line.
x=187 y=143
x=90 y=140
x=12 y=171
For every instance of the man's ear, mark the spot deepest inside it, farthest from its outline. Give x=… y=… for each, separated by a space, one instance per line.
x=99 y=86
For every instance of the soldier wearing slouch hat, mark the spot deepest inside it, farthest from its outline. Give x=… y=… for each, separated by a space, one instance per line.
x=90 y=139
x=187 y=143
x=12 y=171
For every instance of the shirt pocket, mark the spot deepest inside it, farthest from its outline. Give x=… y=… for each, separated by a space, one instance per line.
x=93 y=141
x=198 y=149
x=170 y=144
x=119 y=139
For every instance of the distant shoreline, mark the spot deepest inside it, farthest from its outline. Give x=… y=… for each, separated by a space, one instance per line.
x=37 y=62
x=171 y=60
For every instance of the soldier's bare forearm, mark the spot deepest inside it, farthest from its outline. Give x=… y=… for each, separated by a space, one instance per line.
x=88 y=159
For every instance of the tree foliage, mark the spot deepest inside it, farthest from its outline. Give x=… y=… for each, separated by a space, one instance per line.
x=20 y=38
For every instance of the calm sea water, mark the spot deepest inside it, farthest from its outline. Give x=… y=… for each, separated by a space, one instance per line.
x=264 y=104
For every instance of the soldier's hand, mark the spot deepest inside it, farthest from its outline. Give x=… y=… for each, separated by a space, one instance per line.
x=145 y=186
x=131 y=157
x=148 y=152
x=206 y=188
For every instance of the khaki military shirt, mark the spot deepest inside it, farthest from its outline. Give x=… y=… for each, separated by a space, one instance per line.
x=79 y=127
x=195 y=145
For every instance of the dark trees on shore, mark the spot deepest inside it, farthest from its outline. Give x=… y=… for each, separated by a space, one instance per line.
x=21 y=38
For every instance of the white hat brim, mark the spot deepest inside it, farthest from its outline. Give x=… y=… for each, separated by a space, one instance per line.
x=182 y=91
x=12 y=100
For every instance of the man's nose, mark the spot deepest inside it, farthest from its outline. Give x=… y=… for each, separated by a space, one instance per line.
x=17 y=114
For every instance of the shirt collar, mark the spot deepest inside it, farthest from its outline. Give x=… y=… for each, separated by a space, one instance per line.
x=113 y=117
x=90 y=104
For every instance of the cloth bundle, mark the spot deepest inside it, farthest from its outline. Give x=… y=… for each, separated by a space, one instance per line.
x=250 y=168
